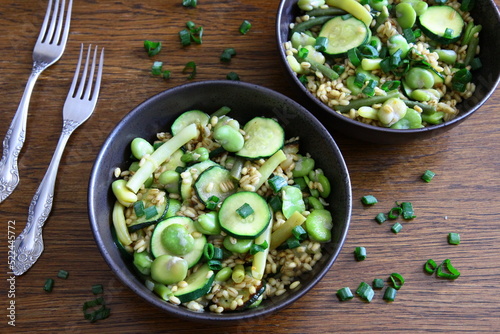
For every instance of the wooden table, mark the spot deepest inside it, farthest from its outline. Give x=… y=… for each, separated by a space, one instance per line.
x=464 y=197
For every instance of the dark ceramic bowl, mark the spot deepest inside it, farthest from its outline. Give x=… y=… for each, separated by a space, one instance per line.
x=485 y=12
x=246 y=101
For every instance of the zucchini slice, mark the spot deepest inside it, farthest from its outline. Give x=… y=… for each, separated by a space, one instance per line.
x=344 y=35
x=263 y=138
x=145 y=219
x=157 y=247
x=215 y=181
x=442 y=24
x=187 y=180
x=198 y=285
x=188 y=117
x=244 y=226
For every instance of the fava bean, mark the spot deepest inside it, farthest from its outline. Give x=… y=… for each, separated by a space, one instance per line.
x=140 y=147
x=198 y=155
x=168 y=269
x=170 y=180
x=292 y=201
x=310 y=4
x=314 y=203
x=355 y=90
x=425 y=95
x=208 y=223
x=295 y=65
x=398 y=42
x=392 y=111
x=412 y=120
x=447 y=56
x=303 y=166
x=379 y=5
x=226 y=120
x=177 y=240
x=299 y=181
x=314 y=55
x=418 y=77
x=368 y=112
x=418 y=5
x=435 y=118
x=300 y=39
x=229 y=138
x=318 y=225
x=325 y=186
x=405 y=15
x=223 y=275
x=241 y=246
x=368 y=64
x=142 y=262
x=125 y=196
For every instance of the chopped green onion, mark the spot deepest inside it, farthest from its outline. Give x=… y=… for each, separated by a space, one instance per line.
x=63 y=274
x=245 y=210
x=378 y=283
x=277 y=182
x=98 y=314
x=166 y=74
x=189 y=3
x=407 y=210
x=152 y=48
x=156 y=68
x=212 y=202
x=448 y=33
x=476 y=64
x=303 y=79
x=395 y=59
x=299 y=233
x=227 y=54
x=396 y=228
x=208 y=251
x=214 y=264
x=397 y=280
x=369 y=90
x=381 y=217
x=191 y=69
x=368 y=51
x=461 y=79
x=352 y=54
x=430 y=266
x=218 y=254
x=275 y=203
x=245 y=27
x=233 y=76
x=409 y=35
x=360 y=253
x=390 y=85
x=467 y=5
x=196 y=34
x=345 y=294
x=321 y=44
x=390 y=294
x=359 y=80
x=49 y=284
x=428 y=176
x=395 y=212
x=453 y=238
x=446 y=270
x=254 y=249
x=365 y=291
x=368 y=200
x=340 y=68
x=303 y=52
x=150 y=212
x=185 y=37
x=139 y=208
x=97 y=289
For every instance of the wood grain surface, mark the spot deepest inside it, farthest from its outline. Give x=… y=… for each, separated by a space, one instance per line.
x=464 y=196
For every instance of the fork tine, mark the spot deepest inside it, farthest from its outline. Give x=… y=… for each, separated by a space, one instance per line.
x=43 y=29
x=72 y=89
x=97 y=87
x=53 y=20
x=55 y=27
x=84 y=75
x=91 y=76
x=64 y=37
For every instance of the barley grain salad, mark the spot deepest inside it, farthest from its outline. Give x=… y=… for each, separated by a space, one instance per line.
x=217 y=216
x=403 y=64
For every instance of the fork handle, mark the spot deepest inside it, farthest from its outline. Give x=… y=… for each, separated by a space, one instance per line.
x=28 y=245
x=14 y=140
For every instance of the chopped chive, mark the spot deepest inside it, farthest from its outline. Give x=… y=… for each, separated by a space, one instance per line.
x=397 y=280
x=245 y=210
x=165 y=74
x=227 y=54
x=150 y=212
x=345 y=294
x=339 y=69
x=254 y=249
x=156 y=68
x=277 y=182
x=139 y=208
x=476 y=64
x=381 y=217
x=99 y=313
x=352 y=54
x=446 y=270
x=214 y=264
x=290 y=243
x=395 y=212
x=359 y=80
x=448 y=33
x=275 y=203
x=378 y=283
x=152 y=48
x=190 y=68
x=430 y=266
x=212 y=202
x=360 y=253
x=365 y=291
x=97 y=289
x=390 y=85
x=369 y=90
x=49 y=284
x=407 y=210
x=368 y=200
x=396 y=228
x=453 y=238
x=189 y=3
x=299 y=233
x=321 y=44
x=245 y=27
x=428 y=176
x=208 y=251
x=218 y=253
x=390 y=294
x=63 y=274
x=303 y=52
x=233 y=76
x=185 y=37
x=409 y=35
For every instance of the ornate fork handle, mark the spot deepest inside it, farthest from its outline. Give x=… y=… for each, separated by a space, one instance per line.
x=29 y=244
x=14 y=139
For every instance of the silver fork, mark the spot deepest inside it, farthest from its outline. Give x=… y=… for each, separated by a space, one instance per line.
x=48 y=49
x=80 y=104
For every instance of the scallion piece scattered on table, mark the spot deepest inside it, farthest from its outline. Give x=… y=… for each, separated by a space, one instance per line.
x=381 y=217
x=396 y=228
x=453 y=238
x=378 y=283
x=397 y=280
x=63 y=274
x=233 y=76
x=245 y=27
x=360 y=253
x=365 y=291
x=390 y=294
x=345 y=294
x=152 y=48
x=407 y=210
x=430 y=266
x=49 y=285
x=395 y=212
x=428 y=176
x=447 y=270
x=368 y=200
x=97 y=289
x=190 y=68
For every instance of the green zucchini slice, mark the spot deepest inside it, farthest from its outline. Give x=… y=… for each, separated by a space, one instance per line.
x=186 y=118
x=263 y=138
x=187 y=180
x=215 y=181
x=198 y=285
x=145 y=219
x=344 y=34
x=442 y=24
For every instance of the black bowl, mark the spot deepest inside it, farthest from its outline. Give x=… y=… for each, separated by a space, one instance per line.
x=246 y=101
x=485 y=12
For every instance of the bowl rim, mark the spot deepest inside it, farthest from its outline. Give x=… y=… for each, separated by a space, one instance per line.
x=123 y=272
x=410 y=132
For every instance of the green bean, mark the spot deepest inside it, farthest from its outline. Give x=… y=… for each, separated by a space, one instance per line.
x=306 y=25
x=471 y=49
x=318 y=225
x=325 y=70
x=230 y=139
x=224 y=110
x=310 y=4
x=426 y=108
x=238 y=274
x=170 y=180
x=223 y=275
x=122 y=193
x=355 y=104
x=240 y=246
x=470 y=31
x=405 y=15
x=177 y=240
x=418 y=77
x=140 y=147
x=143 y=261
x=168 y=269
x=303 y=166
x=326 y=11
x=237 y=167
x=208 y=223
